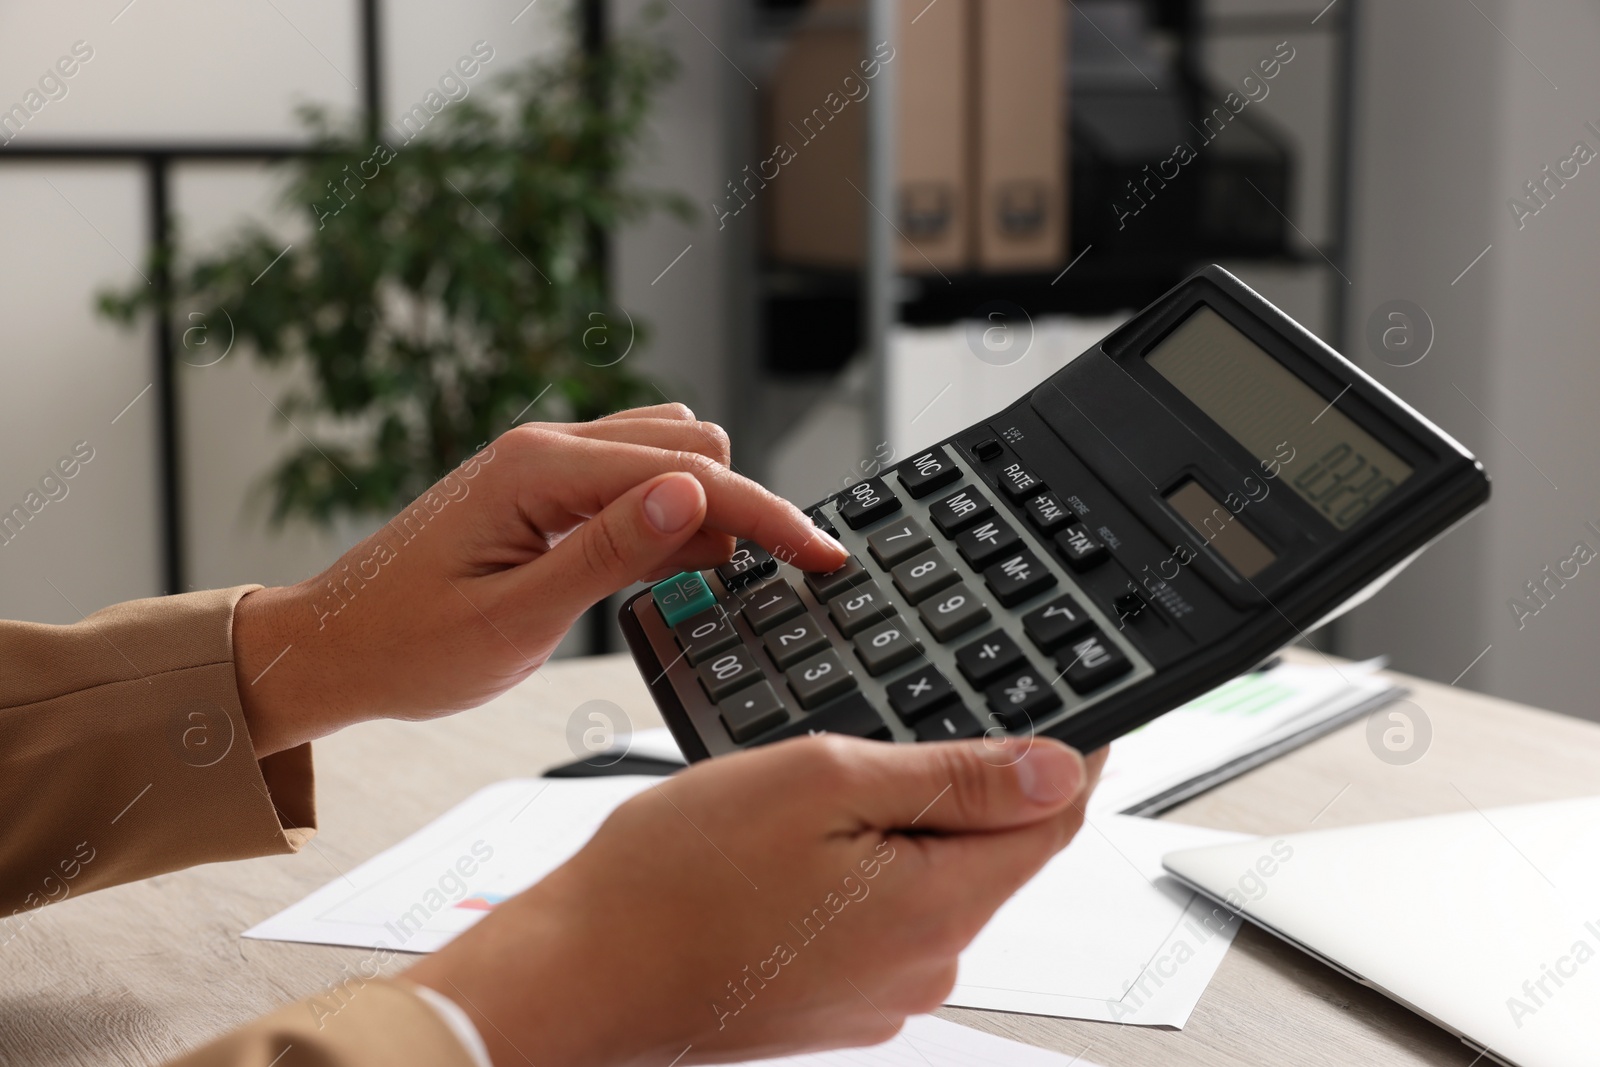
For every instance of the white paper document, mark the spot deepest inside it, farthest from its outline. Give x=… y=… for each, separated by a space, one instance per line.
x=929 y=1041
x=1100 y=933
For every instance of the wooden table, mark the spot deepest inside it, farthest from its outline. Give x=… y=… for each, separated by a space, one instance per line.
x=142 y=972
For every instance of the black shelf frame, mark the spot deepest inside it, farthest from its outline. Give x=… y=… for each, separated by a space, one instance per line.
x=809 y=306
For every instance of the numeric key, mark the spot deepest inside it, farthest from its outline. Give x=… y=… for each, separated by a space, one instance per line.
x=820 y=679
x=921 y=475
x=704 y=635
x=922 y=576
x=898 y=541
x=886 y=646
x=794 y=640
x=867 y=502
x=952 y=612
x=827 y=586
x=856 y=609
x=771 y=604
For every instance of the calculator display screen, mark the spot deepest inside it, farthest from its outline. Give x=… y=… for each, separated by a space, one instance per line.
x=1333 y=464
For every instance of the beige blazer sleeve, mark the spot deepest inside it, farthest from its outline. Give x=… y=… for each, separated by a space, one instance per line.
x=124 y=754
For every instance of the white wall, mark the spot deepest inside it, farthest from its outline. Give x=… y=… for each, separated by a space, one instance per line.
x=163 y=70
x=1452 y=120
x=689 y=151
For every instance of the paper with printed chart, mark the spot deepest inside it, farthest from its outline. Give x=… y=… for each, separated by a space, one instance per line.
x=417 y=895
x=1100 y=933
x=1235 y=727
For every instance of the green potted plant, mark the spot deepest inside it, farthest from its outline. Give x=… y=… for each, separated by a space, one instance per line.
x=451 y=284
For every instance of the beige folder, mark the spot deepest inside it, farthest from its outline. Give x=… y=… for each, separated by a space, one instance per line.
x=816 y=126
x=1019 y=179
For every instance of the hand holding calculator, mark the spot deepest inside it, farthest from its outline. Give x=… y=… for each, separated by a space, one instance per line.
x=1172 y=507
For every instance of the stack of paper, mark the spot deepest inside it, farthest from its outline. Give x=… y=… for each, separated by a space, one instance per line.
x=1243 y=724
x=1100 y=933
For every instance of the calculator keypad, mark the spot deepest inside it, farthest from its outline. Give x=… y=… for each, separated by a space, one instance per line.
x=948 y=619
x=731 y=670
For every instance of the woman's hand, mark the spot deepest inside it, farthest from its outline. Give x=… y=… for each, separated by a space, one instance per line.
x=469 y=589
x=804 y=896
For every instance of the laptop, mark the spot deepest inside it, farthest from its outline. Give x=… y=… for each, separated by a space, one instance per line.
x=1486 y=922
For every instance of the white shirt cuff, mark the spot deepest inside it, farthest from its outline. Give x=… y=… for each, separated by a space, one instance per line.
x=458 y=1021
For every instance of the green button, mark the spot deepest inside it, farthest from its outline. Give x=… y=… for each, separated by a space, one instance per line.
x=681 y=596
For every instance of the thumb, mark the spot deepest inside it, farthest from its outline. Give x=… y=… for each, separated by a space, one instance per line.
x=964 y=786
x=635 y=534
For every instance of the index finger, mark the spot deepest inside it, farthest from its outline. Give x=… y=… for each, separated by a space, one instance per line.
x=598 y=471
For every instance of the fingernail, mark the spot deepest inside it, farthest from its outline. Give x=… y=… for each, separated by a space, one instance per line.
x=674 y=503
x=1049 y=773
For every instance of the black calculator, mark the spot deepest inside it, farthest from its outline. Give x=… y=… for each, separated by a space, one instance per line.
x=1172 y=507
